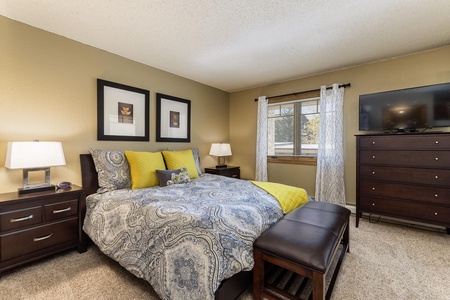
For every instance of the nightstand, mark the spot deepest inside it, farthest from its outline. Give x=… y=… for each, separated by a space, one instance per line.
x=228 y=171
x=36 y=225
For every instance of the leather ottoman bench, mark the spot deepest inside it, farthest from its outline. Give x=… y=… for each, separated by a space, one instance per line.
x=305 y=242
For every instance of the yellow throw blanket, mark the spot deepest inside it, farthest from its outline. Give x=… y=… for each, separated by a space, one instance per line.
x=288 y=196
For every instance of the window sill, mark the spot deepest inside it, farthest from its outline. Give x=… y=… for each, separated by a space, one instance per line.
x=294 y=160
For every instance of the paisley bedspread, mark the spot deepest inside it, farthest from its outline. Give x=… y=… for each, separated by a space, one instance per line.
x=186 y=238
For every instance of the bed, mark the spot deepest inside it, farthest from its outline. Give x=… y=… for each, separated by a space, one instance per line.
x=190 y=241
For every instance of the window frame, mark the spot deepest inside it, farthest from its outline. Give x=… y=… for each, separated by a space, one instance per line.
x=291 y=159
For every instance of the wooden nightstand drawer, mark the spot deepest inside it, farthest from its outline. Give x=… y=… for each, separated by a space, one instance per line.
x=44 y=223
x=20 y=218
x=229 y=171
x=61 y=210
x=30 y=240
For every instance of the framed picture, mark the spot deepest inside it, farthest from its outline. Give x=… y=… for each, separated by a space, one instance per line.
x=173 y=119
x=122 y=112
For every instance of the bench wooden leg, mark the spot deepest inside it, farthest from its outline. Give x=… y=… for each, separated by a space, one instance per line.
x=258 y=275
x=318 y=286
x=346 y=237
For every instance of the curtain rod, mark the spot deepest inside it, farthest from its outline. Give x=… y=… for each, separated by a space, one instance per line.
x=316 y=90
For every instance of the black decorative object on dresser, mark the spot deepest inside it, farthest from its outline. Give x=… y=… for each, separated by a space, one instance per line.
x=404 y=176
x=36 y=225
x=228 y=171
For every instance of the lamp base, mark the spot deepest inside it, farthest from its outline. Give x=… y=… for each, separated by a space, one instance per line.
x=221 y=163
x=36 y=189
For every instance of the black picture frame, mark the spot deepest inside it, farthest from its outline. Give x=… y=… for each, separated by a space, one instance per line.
x=173 y=119
x=122 y=112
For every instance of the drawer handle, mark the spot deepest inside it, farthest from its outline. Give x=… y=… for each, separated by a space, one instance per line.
x=373 y=204
x=437 y=142
x=373 y=157
x=436 y=177
x=21 y=219
x=435 y=214
x=373 y=143
x=373 y=173
x=437 y=158
x=436 y=195
x=373 y=189
x=43 y=238
x=62 y=210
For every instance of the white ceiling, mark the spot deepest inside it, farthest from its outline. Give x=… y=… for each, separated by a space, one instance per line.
x=238 y=44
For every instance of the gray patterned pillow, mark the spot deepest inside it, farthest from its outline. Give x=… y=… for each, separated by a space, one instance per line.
x=113 y=170
x=195 y=152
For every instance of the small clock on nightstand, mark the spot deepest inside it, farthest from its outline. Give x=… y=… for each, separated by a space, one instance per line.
x=229 y=171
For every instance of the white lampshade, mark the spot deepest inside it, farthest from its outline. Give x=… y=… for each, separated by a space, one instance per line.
x=34 y=157
x=29 y=155
x=220 y=150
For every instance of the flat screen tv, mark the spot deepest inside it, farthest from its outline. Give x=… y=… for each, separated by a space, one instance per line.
x=407 y=110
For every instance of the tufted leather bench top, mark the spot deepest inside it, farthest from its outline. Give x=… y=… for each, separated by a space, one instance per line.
x=307 y=237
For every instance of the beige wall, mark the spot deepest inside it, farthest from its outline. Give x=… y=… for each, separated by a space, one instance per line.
x=48 y=92
x=424 y=68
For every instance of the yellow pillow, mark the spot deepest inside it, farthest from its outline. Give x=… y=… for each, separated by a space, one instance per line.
x=177 y=159
x=143 y=166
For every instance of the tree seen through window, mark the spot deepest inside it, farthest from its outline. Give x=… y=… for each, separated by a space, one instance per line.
x=294 y=128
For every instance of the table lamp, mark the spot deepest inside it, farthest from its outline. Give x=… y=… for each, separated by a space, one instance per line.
x=220 y=150
x=34 y=156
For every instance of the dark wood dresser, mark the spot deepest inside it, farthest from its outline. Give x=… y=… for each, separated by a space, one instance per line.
x=36 y=225
x=404 y=176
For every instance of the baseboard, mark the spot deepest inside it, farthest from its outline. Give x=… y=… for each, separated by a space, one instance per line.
x=387 y=219
x=351 y=207
x=393 y=220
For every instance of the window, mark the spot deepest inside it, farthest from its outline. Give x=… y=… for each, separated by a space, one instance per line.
x=293 y=128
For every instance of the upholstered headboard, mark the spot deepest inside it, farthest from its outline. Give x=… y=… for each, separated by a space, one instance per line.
x=89 y=177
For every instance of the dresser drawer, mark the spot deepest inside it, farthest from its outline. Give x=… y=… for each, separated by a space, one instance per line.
x=20 y=218
x=410 y=142
x=30 y=240
x=406 y=175
x=61 y=210
x=434 y=159
x=439 y=215
x=404 y=191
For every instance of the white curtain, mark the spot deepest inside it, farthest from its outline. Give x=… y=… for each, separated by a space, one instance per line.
x=261 y=140
x=330 y=158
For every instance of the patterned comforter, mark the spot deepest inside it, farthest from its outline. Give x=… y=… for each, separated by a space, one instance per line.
x=186 y=238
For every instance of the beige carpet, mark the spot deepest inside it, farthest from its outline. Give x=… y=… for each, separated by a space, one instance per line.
x=387 y=261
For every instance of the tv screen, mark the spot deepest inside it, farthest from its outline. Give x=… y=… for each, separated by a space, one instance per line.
x=406 y=110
